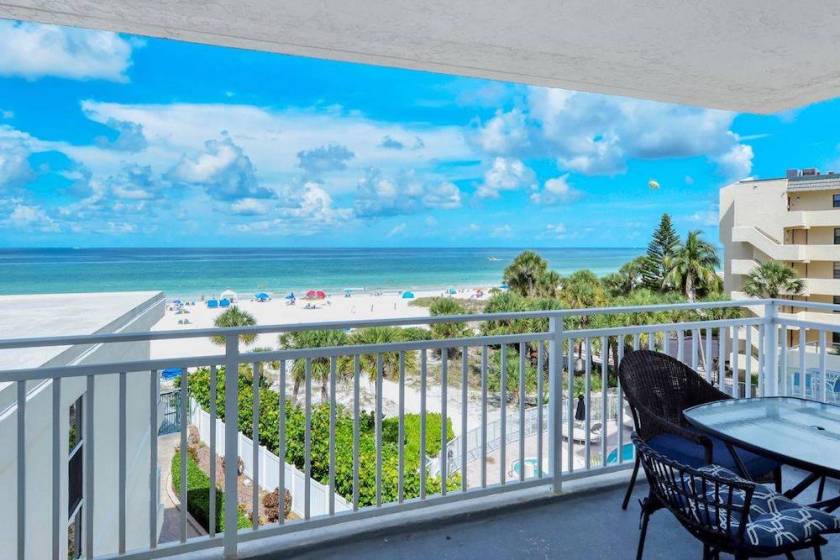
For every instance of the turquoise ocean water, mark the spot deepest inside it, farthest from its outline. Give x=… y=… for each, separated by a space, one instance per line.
x=193 y=272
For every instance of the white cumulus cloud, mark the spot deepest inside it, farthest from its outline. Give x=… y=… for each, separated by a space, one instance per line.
x=32 y=51
x=505 y=174
x=555 y=191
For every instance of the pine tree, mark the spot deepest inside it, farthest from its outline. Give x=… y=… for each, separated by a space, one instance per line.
x=661 y=247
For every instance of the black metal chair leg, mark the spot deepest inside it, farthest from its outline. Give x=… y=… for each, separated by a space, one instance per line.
x=632 y=483
x=777 y=478
x=821 y=489
x=643 y=533
x=817 y=551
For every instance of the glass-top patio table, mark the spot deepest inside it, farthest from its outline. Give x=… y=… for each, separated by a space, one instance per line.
x=793 y=431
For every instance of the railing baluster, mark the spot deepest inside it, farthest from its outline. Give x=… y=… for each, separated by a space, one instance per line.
x=736 y=388
x=503 y=414
x=444 y=384
x=681 y=345
x=748 y=362
x=722 y=358
x=803 y=374
x=484 y=416
x=464 y=413
x=822 y=343
x=121 y=455
x=89 y=446
x=21 y=470
x=213 y=413
x=605 y=384
x=356 y=373
x=787 y=380
x=182 y=491
x=378 y=429
x=154 y=396
x=540 y=404
x=333 y=398
x=570 y=413
x=256 y=373
x=57 y=458
x=695 y=335
x=307 y=438
x=587 y=401
x=522 y=347
x=401 y=436
x=619 y=417
x=759 y=386
x=423 y=367
x=231 y=457
x=707 y=366
x=281 y=445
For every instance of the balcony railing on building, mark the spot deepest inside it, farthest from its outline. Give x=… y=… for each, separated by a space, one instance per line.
x=556 y=413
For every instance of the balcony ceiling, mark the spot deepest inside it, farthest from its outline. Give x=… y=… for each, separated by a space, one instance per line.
x=750 y=55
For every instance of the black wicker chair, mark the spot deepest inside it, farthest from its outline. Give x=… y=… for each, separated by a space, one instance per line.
x=658 y=388
x=727 y=513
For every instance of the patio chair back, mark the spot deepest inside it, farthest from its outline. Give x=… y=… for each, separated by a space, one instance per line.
x=713 y=507
x=659 y=387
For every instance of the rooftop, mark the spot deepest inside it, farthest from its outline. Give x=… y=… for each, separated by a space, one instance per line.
x=42 y=315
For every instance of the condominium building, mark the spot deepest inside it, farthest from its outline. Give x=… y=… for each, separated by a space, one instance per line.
x=794 y=220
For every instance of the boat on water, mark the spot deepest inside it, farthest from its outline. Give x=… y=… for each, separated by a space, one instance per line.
x=493 y=259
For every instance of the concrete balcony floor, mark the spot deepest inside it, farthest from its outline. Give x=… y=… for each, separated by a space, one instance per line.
x=582 y=526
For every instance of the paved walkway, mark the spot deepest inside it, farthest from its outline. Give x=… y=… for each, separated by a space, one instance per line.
x=171 y=506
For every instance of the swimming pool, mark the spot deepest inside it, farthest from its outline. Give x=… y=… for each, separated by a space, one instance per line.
x=626 y=454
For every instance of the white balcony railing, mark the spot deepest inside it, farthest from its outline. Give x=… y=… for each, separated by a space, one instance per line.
x=534 y=426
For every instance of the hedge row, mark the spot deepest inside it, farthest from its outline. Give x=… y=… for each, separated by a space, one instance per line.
x=198 y=495
x=295 y=428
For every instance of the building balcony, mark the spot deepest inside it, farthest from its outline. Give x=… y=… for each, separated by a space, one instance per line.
x=398 y=435
x=806 y=219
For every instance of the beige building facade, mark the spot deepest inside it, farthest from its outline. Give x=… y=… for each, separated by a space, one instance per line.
x=794 y=220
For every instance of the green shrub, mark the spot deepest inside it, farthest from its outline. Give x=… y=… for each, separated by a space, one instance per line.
x=198 y=495
x=295 y=431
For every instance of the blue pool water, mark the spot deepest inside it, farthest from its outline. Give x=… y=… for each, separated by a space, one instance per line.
x=626 y=454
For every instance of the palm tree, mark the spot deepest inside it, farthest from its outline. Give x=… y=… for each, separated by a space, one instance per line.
x=390 y=360
x=582 y=289
x=525 y=273
x=449 y=330
x=320 y=367
x=772 y=278
x=692 y=265
x=235 y=317
x=628 y=278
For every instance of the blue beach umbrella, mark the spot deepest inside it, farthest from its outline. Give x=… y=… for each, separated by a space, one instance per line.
x=262 y=296
x=290 y=295
x=408 y=295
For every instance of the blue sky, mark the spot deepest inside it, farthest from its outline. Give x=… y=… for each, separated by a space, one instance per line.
x=114 y=140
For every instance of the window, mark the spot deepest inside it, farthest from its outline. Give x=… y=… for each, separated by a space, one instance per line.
x=835 y=200
x=837 y=270
x=836 y=301
x=75 y=480
x=837 y=236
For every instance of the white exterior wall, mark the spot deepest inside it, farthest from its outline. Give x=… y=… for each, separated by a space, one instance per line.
x=39 y=438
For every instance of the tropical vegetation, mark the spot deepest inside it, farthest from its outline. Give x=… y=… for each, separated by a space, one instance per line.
x=235 y=317
x=772 y=279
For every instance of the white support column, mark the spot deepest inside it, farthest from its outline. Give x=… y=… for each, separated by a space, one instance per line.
x=771 y=351
x=555 y=404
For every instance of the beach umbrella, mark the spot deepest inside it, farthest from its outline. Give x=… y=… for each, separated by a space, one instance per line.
x=452 y=291
x=320 y=294
x=290 y=295
x=212 y=303
x=310 y=294
x=229 y=294
x=262 y=296
x=580 y=409
x=407 y=295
